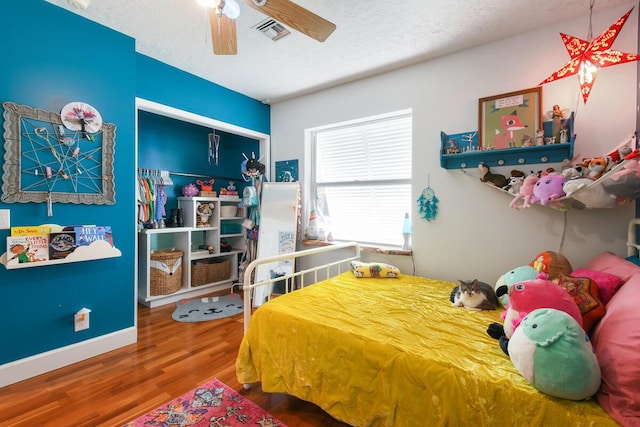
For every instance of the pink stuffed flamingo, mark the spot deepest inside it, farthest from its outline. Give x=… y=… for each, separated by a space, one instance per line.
x=525 y=193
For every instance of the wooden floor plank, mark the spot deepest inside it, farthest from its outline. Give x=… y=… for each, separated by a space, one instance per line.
x=169 y=359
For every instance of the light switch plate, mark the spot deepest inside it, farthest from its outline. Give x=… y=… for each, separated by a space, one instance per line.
x=5 y=219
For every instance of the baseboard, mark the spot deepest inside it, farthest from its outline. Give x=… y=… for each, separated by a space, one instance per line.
x=38 y=364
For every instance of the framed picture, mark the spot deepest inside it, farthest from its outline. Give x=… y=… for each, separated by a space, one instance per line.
x=509 y=120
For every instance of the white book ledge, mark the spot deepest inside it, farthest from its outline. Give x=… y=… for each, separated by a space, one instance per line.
x=98 y=249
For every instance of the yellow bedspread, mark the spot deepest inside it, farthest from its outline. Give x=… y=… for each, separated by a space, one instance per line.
x=394 y=352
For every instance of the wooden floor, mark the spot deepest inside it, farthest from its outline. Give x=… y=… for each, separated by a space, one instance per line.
x=169 y=359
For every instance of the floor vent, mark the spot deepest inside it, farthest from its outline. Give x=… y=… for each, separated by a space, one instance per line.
x=272 y=29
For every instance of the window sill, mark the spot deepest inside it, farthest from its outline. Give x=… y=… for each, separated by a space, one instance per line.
x=370 y=249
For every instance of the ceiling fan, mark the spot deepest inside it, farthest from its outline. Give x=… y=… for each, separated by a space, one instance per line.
x=223 y=13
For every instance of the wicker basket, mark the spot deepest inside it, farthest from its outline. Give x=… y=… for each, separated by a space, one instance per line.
x=166 y=272
x=203 y=272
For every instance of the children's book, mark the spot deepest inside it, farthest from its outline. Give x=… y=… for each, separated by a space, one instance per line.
x=30 y=230
x=23 y=249
x=87 y=235
x=61 y=244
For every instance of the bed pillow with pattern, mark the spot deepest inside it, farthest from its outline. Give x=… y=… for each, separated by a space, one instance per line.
x=374 y=269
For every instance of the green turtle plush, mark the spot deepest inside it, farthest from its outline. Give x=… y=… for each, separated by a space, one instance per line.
x=553 y=352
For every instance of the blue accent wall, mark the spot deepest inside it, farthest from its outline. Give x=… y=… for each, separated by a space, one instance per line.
x=55 y=57
x=169 y=86
x=173 y=145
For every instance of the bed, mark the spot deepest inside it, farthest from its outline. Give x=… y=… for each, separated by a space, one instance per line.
x=395 y=352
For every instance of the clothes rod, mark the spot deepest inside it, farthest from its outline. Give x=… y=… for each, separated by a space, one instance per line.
x=197 y=175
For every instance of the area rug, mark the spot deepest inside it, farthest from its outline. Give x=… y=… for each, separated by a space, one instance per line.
x=213 y=404
x=207 y=308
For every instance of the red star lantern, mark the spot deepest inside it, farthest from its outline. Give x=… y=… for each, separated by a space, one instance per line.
x=588 y=56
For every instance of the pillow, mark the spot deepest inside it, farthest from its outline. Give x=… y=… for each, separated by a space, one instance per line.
x=608 y=284
x=374 y=269
x=616 y=340
x=584 y=292
x=608 y=262
x=551 y=263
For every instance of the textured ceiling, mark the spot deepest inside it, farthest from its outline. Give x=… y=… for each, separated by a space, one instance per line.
x=371 y=36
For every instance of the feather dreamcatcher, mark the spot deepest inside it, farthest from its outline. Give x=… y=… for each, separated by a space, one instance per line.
x=428 y=203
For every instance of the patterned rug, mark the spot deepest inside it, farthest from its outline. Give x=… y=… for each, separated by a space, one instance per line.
x=210 y=405
x=207 y=308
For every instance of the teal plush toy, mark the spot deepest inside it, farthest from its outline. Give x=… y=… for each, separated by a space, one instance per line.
x=518 y=274
x=553 y=352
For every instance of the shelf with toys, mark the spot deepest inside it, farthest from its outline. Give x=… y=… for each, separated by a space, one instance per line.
x=595 y=183
x=461 y=151
x=199 y=258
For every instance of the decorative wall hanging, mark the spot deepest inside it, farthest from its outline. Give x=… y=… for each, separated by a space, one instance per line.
x=50 y=157
x=287 y=170
x=589 y=55
x=428 y=203
x=504 y=119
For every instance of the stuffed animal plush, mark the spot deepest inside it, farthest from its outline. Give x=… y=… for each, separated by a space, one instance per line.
x=595 y=196
x=551 y=264
x=548 y=187
x=518 y=274
x=631 y=166
x=596 y=166
x=204 y=211
x=494 y=178
x=529 y=295
x=525 y=194
x=554 y=354
x=515 y=181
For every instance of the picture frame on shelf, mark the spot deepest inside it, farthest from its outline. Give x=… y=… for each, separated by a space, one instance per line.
x=510 y=119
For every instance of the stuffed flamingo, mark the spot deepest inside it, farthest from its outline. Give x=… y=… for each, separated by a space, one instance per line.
x=525 y=193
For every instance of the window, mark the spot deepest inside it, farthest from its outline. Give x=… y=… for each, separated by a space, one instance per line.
x=361 y=178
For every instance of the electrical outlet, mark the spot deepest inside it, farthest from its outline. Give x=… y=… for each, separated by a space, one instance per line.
x=81 y=320
x=5 y=219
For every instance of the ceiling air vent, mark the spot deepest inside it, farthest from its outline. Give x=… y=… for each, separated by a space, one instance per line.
x=272 y=29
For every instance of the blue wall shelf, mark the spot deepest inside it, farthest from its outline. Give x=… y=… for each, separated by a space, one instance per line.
x=554 y=153
x=537 y=154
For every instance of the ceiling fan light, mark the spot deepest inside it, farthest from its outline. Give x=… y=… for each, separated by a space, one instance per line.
x=231 y=9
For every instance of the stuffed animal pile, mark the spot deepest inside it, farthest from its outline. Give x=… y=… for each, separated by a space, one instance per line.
x=543 y=331
x=543 y=187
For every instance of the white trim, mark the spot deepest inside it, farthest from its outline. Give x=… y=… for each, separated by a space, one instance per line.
x=264 y=140
x=38 y=364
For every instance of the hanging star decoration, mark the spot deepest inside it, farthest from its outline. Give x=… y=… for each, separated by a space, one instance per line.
x=589 y=55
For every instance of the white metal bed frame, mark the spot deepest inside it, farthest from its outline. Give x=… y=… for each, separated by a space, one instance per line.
x=633 y=246
x=302 y=277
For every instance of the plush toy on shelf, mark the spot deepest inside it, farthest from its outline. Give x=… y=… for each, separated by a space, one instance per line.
x=525 y=194
x=486 y=175
x=548 y=188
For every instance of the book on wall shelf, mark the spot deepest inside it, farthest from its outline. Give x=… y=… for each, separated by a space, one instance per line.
x=61 y=244
x=87 y=234
x=30 y=230
x=54 y=244
x=27 y=249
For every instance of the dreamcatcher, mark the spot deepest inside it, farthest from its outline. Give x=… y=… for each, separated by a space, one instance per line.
x=428 y=203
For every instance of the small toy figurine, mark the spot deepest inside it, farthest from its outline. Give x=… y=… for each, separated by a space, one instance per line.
x=206 y=185
x=556 y=123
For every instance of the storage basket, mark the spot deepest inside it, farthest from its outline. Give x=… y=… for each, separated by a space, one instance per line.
x=204 y=272
x=166 y=272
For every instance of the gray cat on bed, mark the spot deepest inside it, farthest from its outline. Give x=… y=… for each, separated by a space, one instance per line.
x=474 y=295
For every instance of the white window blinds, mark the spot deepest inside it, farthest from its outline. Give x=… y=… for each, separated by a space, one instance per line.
x=362 y=178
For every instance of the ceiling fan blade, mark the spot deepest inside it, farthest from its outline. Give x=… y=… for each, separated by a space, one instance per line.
x=296 y=17
x=223 y=34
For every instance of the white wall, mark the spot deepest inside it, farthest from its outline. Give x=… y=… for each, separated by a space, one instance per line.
x=476 y=234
